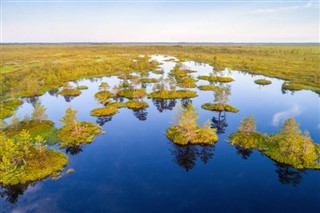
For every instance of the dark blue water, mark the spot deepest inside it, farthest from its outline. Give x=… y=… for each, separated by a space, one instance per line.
x=135 y=168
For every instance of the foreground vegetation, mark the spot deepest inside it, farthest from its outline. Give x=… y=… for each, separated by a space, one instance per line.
x=24 y=159
x=290 y=146
x=187 y=130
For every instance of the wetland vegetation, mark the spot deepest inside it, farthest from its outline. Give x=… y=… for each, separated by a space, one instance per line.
x=108 y=81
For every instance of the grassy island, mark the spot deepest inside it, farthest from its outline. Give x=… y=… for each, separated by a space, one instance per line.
x=70 y=92
x=262 y=81
x=290 y=146
x=219 y=107
x=110 y=109
x=208 y=87
x=188 y=131
x=213 y=78
x=133 y=104
x=103 y=96
x=8 y=107
x=167 y=94
x=75 y=133
x=82 y=87
x=132 y=93
x=221 y=98
x=149 y=80
x=291 y=86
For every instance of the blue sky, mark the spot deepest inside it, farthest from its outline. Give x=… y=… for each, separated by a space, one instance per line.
x=159 y=21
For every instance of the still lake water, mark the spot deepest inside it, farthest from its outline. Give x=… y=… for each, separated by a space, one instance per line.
x=135 y=168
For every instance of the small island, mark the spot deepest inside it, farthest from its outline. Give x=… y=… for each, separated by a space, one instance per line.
x=290 y=146
x=108 y=110
x=208 y=87
x=221 y=98
x=135 y=104
x=215 y=78
x=68 y=90
x=188 y=131
x=75 y=133
x=263 y=82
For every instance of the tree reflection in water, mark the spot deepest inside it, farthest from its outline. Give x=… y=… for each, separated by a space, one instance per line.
x=68 y=98
x=289 y=175
x=141 y=114
x=164 y=104
x=11 y=193
x=101 y=120
x=119 y=99
x=54 y=92
x=185 y=102
x=32 y=100
x=74 y=150
x=220 y=123
x=245 y=153
x=187 y=155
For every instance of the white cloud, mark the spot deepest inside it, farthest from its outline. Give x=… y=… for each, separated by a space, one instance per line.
x=284 y=115
x=283 y=9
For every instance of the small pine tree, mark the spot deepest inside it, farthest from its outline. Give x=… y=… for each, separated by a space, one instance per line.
x=247 y=125
x=15 y=121
x=39 y=112
x=290 y=128
x=70 y=118
x=104 y=86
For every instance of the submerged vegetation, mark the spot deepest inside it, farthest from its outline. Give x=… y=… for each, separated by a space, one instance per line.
x=290 y=146
x=187 y=130
x=75 y=133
